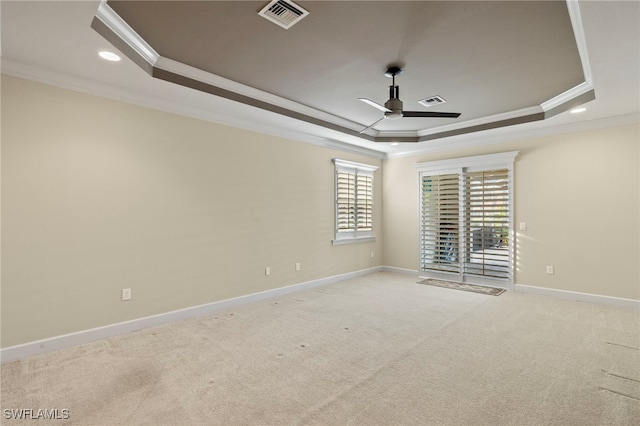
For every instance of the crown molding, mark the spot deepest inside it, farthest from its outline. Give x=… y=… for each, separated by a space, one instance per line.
x=573 y=6
x=176 y=68
x=457 y=142
x=514 y=134
x=123 y=30
x=92 y=87
x=482 y=121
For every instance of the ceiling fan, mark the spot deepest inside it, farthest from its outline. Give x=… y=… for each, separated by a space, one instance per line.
x=393 y=107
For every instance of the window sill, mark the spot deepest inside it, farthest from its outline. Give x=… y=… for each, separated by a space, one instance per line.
x=352 y=240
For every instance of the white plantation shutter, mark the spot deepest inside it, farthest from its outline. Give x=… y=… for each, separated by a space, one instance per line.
x=487 y=212
x=354 y=201
x=364 y=202
x=440 y=225
x=345 y=201
x=466 y=219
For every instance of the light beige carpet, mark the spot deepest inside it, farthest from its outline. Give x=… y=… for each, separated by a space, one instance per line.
x=377 y=350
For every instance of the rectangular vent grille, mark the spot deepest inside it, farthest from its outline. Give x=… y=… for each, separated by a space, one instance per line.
x=283 y=13
x=433 y=100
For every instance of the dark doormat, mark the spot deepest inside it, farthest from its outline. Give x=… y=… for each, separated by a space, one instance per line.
x=491 y=291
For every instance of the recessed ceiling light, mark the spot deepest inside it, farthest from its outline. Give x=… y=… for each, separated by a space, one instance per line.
x=394 y=143
x=109 y=56
x=578 y=110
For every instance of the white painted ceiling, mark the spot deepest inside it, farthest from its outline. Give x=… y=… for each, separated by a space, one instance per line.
x=490 y=60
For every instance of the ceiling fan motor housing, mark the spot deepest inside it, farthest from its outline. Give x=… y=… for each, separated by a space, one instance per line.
x=395 y=105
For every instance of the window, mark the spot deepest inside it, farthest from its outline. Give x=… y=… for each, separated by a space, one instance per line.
x=353 y=202
x=466 y=217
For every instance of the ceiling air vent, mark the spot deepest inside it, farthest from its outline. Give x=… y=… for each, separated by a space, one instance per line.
x=284 y=13
x=431 y=101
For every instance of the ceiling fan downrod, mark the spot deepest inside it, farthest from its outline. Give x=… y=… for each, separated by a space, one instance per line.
x=394 y=104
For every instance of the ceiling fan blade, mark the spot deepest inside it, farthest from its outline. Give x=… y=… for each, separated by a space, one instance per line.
x=430 y=114
x=371 y=125
x=375 y=104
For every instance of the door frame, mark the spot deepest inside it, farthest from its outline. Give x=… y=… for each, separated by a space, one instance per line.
x=503 y=160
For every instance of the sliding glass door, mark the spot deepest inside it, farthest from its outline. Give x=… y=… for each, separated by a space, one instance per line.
x=466 y=220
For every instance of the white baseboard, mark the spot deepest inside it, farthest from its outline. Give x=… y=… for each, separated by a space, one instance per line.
x=582 y=297
x=25 y=350
x=400 y=270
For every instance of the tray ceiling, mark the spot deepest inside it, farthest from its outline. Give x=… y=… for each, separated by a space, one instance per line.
x=497 y=63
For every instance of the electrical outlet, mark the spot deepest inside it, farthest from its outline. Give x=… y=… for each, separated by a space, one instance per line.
x=297 y=266
x=372 y=255
x=523 y=226
x=126 y=294
x=550 y=270
x=267 y=271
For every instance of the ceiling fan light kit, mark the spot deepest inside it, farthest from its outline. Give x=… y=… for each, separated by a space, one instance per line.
x=393 y=107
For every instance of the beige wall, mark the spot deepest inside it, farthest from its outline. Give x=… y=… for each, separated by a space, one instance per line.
x=99 y=195
x=578 y=193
